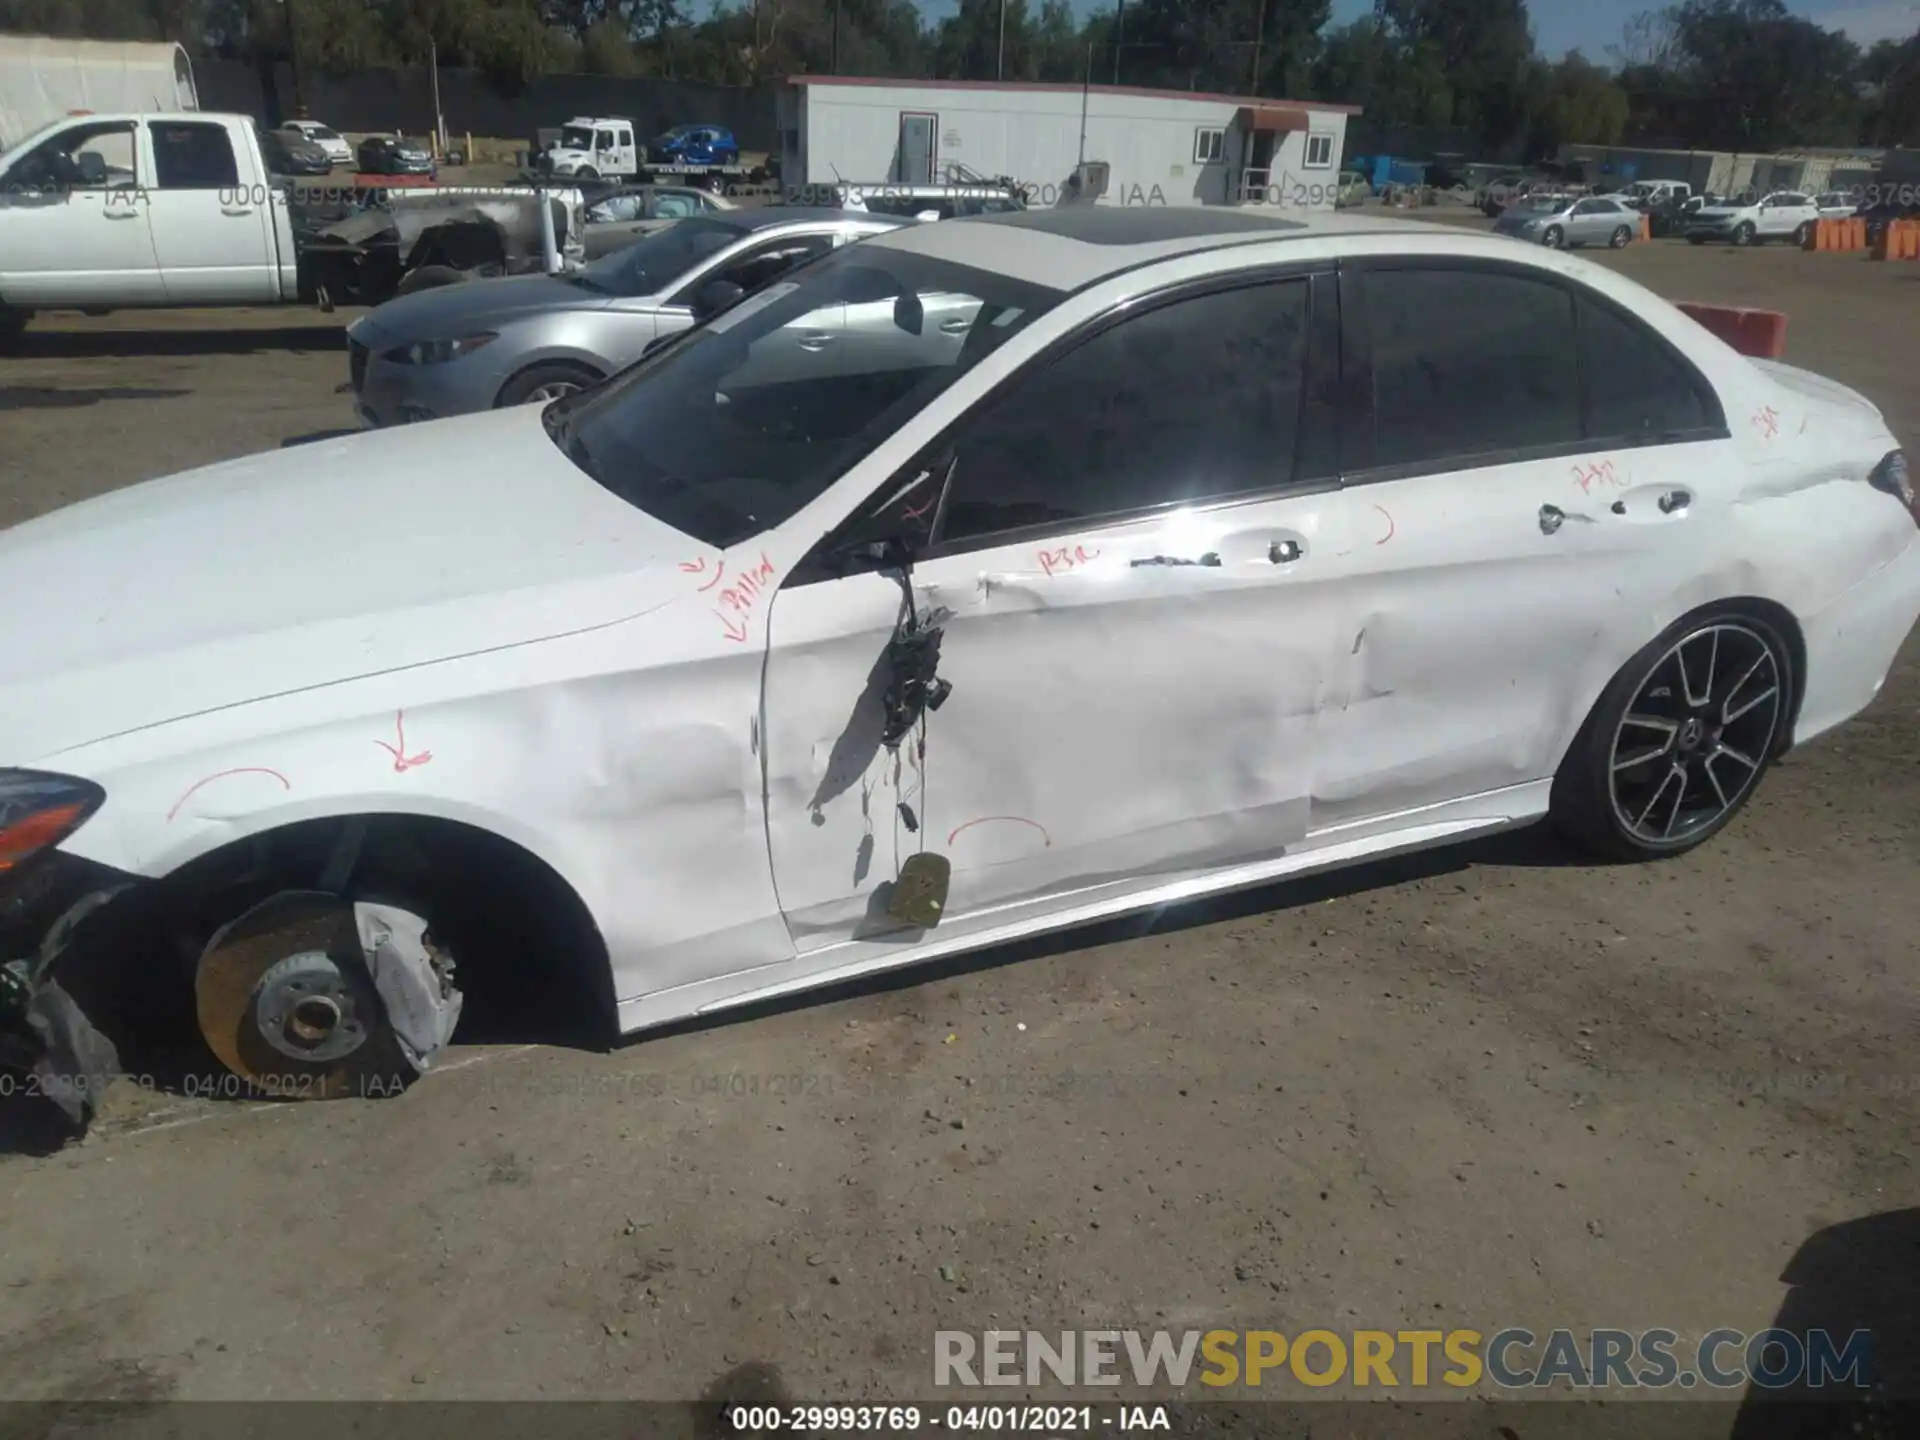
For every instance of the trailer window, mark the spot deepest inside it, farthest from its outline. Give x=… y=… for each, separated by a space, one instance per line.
x=193 y=156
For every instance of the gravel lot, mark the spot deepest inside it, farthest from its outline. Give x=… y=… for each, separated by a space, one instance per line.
x=1490 y=1086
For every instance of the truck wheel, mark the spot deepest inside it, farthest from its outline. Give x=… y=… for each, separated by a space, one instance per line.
x=13 y=321
x=586 y=172
x=429 y=277
x=548 y=381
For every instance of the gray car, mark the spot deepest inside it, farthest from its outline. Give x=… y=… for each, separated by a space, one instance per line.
x=615 y=221
x=492 y=343
x=1563 y=221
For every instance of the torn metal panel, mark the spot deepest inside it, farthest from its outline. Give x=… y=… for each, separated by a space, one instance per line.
x=44 y=1032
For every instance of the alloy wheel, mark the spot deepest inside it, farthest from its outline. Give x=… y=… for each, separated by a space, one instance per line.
x=552 y=390
x=1698 y=732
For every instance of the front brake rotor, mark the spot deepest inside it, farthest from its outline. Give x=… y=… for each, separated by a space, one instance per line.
x=285 y=1001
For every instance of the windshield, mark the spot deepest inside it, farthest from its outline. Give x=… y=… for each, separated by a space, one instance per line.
x=733 y=429
x=576 y=137
x=1547 y=204
x=652 y=264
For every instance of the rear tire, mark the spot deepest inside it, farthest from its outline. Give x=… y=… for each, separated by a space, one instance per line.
x=1618 y=240
x=544 y=382
x=1555 y=238
x=1679 y=741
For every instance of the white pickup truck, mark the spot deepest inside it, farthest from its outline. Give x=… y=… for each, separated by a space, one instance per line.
x=134 y=211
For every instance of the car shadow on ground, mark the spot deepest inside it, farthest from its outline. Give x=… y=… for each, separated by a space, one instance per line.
x=121 y=342
x=1859 y=1277
x=560 y=1007
x=49 y=397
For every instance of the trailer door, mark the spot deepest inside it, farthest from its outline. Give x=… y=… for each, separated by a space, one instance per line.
x=915 y=165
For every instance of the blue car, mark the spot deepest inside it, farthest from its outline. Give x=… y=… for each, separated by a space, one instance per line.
x=694 y=145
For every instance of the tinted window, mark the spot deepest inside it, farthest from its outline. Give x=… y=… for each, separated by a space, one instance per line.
x=1636 y=387
x=193 y=157
x=1192 y=400
x=736 y=427
x=658 y=261
x=1468 y=363
x=760 y=264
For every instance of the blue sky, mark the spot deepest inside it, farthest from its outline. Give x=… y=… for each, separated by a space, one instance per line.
x=1592 y=25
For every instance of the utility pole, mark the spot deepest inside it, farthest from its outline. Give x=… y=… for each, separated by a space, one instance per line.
x=1119 y=29
x=1000 y=53
x=1259 y=31
x=833 y=64
x=293 y=64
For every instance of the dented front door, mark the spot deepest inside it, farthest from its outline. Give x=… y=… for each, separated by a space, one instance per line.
x=1136 y=562
x=1134 y=702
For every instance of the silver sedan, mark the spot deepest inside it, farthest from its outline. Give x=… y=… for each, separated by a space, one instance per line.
x=1563 y=221
x=615 y=221
x=487 y=344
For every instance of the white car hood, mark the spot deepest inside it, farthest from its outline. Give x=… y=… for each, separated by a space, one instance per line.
x=309 y=566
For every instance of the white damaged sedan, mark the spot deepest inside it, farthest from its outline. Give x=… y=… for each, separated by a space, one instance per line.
x=976 y=580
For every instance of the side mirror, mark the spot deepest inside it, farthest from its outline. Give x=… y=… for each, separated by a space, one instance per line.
x=715 y=296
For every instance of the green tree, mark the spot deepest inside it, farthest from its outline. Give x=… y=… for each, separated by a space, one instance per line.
x=1575 y=103
x=1485 y=49
x=1397 y=83
x=1760 y=78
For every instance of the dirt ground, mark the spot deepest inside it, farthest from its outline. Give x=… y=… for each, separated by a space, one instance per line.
x=1491 y=1086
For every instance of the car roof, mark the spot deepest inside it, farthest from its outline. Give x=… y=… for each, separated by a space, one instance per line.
x=765 y=217
x=1071 y=246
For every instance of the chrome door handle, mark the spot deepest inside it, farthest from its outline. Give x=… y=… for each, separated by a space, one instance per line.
x=815 y=342
x=1552 y=517
x=236 y=209
x=955 y=327
x=127 y=214
x=1675 y=500
x=1285 y=552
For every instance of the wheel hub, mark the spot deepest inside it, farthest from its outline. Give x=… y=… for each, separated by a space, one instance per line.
x=277 y=1007
x=306 y=1009
x=1691 y=734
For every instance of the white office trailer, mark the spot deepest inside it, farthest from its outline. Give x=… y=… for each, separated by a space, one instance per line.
x=1158 y=147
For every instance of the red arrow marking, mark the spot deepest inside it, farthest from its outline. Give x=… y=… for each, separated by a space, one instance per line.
x=402 y=762
x=735 y=632
x=1391 y=527
x=720 y=570
x=221 y=775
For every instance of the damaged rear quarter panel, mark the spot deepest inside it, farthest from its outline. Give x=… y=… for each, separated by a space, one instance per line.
x=622 y=757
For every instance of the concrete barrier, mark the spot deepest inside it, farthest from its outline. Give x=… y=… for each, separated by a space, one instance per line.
x=1759 y=333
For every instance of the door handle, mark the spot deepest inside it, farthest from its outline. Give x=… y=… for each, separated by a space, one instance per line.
x=1552 y=517
x=128 y=214
x=815 y=342
x=1210 y=559
x=1285 y=552
x=955 y=327
x=236 y=209
x=1671 y=503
